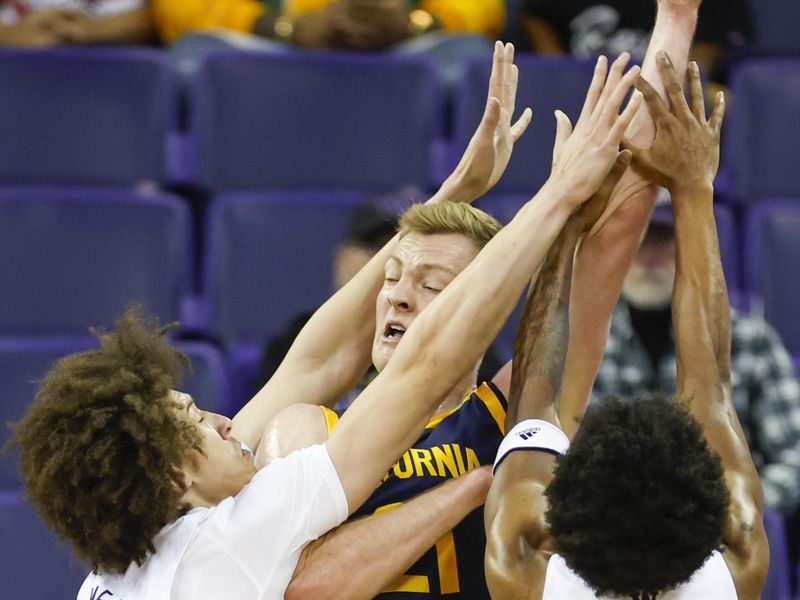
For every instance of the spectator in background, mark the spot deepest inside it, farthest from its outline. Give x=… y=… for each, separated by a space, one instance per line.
x=640 y=356
x=42 y=23
x=373 y=224
x=350 y=24
x=587 y=28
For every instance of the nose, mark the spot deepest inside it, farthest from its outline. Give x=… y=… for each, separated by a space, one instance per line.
x=221 y=423
x=401 y=296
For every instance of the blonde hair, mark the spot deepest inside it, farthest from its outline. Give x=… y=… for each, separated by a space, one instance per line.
x=449 y=217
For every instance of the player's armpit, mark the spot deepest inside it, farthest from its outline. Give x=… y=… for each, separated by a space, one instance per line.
x=296 y=427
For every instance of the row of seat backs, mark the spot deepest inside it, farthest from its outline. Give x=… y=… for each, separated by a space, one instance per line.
x=110 y=117
x=73 y=259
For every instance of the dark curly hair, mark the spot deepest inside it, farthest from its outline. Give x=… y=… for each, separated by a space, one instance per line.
x=101 y=449
x=638 y=502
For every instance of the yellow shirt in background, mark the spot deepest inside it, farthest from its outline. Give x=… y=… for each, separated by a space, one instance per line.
x=175 y=17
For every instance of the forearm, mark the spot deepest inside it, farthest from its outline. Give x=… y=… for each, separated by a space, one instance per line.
x=700 y=309
x=601 y=264
x=358 y=559
x=130 y=26
x=540 y=346
x=607 y=252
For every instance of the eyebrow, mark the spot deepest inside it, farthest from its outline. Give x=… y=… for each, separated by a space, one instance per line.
x=428 y=266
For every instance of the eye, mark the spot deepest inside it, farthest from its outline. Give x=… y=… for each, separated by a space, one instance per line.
x=389 y=279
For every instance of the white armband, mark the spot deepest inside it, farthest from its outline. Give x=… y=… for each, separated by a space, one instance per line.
x=532 y=434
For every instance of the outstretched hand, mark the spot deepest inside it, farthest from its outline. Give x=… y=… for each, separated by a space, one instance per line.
x=685 y=151
x=583 y=157
x=487 y=155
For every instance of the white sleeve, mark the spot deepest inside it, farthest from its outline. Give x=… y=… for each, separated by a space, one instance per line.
x=252 y=542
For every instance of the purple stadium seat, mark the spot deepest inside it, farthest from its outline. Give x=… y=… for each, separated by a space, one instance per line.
x=76 y=258
x=207 y=382
x=85 y=116
x=778 y=583
x=775 y=23
x=772 y=242
x=762 y=132
x=545 y=84
x=35 y=563
x=25 y=361
x=268 y=258
x=314 y=121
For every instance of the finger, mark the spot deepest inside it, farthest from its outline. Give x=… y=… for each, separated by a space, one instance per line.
x=626 y=144
x=496 y=77
x=696 y=93
x=518 y=128
x=655 y=103
x=617 y=171
x=595 y=88
x=563 y=131
x=623 y=122
x=614 y=77
x=673 y=86
x=490 y=119
x=610 y=110
x=718 y=114
x=510 y=89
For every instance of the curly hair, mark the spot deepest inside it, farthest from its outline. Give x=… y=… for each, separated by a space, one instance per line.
x=638 y=502
x=102 y=450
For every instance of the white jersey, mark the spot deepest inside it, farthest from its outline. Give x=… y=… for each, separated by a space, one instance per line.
x=11 y=11
x=712 y=581
x=246 y=547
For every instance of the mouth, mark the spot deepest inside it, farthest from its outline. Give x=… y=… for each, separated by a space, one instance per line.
x=393 y=333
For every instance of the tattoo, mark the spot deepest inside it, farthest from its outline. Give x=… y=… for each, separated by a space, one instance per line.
x=747 y=526
x=540 y=347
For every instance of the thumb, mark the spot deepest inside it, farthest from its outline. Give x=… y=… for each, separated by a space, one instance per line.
x=563 y=130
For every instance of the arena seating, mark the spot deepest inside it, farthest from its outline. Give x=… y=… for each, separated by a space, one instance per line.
x=85 y=116
x=34 y=564
x=314 y=121
x=545 y=84
x=772 y=240
x=91 y=142
x=73 y=258
x=762 y=130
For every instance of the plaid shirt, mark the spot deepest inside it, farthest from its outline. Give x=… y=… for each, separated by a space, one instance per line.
x=766 y=394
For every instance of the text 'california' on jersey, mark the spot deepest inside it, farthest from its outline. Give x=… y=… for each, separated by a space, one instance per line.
x=452 y=443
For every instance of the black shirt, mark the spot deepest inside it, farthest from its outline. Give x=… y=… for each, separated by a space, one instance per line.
x=589 y=28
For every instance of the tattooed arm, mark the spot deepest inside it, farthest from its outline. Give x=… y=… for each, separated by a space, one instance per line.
x=517 y=543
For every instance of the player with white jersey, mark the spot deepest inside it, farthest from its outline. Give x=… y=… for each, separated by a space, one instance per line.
x=651 y=498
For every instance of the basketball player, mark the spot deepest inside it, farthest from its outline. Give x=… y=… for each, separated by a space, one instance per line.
x=164 y=502
x=651 y=499
x=429 y=559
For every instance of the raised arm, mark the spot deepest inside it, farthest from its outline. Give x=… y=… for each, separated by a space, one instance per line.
x=427 y=363
x=606 y=253
x=360 y=558
x=332 y=351
x=518 y=545
x=684 y=158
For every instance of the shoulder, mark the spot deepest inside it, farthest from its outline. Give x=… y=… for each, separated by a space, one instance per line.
x=295 y=427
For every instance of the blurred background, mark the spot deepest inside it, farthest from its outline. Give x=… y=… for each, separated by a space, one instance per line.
x=230 y=163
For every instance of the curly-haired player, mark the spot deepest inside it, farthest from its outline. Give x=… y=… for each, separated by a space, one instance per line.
x=651 y=499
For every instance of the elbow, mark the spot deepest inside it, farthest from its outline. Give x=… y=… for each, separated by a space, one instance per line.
x=306 y=588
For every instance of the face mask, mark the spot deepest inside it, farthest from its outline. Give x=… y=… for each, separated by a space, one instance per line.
x=649 y=288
